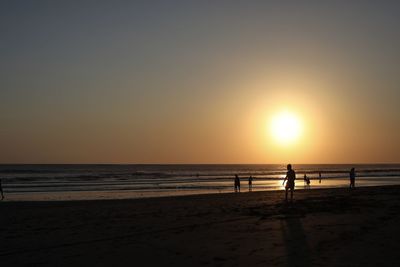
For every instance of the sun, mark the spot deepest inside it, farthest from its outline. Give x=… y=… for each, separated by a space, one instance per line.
x=285 y=128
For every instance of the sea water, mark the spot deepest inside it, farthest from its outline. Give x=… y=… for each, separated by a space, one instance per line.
x=75 y=182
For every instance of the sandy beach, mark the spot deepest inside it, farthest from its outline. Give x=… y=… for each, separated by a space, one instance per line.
x=324 y=227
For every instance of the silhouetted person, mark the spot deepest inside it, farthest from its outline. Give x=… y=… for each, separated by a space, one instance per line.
x=290 y=177
x=320 y=177
x=352 y=178
x=1 y=191
x=237 y=183
x=306 y=181
x=250 y=183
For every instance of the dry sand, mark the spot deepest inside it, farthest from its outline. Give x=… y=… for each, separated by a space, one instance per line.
x=327 y=227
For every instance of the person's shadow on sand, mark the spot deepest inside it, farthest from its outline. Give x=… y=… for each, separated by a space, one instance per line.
x=295 y=240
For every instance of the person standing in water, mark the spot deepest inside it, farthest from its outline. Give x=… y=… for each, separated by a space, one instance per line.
x=306 y=181
x=320 y=177
x=352 y=178
x=290 y=177
x=250 y=183
x=1 y=191
x=237 y=183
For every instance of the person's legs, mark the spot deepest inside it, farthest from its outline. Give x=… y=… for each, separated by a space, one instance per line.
x=286 y=191
x=291 y=194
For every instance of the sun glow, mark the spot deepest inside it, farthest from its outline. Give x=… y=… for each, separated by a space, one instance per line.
x=285 y=128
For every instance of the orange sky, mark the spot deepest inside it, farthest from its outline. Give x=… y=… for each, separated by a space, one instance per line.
x=199 y=82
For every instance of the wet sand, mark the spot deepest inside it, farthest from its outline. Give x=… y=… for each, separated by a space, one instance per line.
x=323 y=227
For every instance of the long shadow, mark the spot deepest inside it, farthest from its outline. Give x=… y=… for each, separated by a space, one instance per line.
x=295 y=240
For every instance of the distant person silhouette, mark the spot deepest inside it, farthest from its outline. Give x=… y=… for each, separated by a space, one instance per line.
x=306 y=181
x=250 y=183
x=320 y=177
x=1 y=191
x=237 y=183
x=290 y=177
x=352 y=178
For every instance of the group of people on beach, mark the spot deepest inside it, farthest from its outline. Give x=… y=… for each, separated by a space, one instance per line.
x=237 y=183
x=290 y=178
x=290 y=181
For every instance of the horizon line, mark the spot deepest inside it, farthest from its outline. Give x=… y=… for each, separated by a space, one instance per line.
x=340 y=163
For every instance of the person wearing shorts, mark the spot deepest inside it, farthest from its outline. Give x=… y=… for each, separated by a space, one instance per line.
x=290 y=177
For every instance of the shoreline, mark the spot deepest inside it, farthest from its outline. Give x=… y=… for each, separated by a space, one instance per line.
x=67 y=196
x=67 y=182
x=321 y=228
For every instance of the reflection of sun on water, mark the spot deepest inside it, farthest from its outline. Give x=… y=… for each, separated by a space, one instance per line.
x=279 y=184
x=285 y=128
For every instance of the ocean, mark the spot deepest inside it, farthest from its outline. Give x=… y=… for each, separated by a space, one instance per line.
x=76 y=182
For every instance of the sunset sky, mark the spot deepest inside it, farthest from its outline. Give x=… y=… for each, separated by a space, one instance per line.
x=199 y=81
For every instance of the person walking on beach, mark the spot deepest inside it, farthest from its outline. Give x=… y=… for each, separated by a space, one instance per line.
x=250 y=183
x=352 y=178
x=1 y=191
x=290 y=177
x=237 y=183
x=320 y=177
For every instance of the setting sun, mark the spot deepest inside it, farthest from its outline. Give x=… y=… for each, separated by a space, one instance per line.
x=285 y=128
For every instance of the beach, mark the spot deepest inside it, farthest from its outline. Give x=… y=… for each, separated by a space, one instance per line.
x=322 y=227
x=47 y=182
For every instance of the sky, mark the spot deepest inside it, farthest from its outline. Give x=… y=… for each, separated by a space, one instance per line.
x=198 y=81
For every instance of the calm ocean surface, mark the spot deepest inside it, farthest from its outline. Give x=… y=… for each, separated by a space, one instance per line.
x=73 y=182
